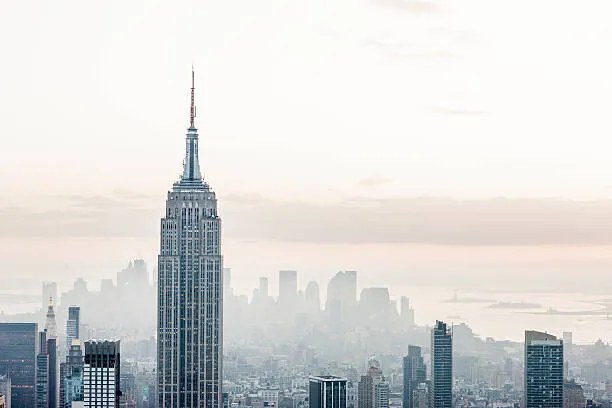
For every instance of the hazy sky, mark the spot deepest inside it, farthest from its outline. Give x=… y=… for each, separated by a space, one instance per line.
x=468 y=138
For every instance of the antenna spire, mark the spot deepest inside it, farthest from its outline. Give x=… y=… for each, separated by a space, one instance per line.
x=193 y=108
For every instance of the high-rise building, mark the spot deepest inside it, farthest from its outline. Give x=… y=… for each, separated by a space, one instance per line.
x=18 y=361
x=406 y=312
x=72 y=325
x=52 y=353
x=441 y=366
x=311 y=297
x=190 y=285
x=101 y=374
x=50 y=322
x=373 y=389
x=287 y=288
x=327 y=391
x=263 y=287
x=342 y=288
x=543 y=370
x=72 y=380
x=49 y=291
x=415 y=373
x=573 y=395
x=134 y=277
x=42 y=372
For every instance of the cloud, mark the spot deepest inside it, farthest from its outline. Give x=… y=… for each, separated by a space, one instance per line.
x=443 y=110
x=445 y=221
x=402 y=49
x=410 y=6
x=374 y=181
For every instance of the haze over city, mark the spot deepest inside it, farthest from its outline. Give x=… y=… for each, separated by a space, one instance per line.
x=305 y=204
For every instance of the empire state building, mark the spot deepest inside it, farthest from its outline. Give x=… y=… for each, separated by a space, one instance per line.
x=190 y=304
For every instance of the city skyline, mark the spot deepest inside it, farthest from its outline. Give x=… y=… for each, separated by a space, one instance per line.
x=381 y=204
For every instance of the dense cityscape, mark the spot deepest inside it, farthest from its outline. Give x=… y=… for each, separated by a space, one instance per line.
x=209 y=347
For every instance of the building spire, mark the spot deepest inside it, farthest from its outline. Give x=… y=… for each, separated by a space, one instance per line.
x=193 y=108
x=191 y=166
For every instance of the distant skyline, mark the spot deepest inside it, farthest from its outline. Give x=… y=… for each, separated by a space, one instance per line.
x=418 y=142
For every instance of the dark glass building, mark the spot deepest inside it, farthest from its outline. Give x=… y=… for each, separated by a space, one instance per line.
x=18 y=360
x=441 y=395
x=543 y=370
x=415 y=373
x=327 y=391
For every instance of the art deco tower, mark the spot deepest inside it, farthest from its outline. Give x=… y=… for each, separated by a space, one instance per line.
x=190 y=294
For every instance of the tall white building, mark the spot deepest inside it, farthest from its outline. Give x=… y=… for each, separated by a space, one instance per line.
x=190 y=284
x=101 y=374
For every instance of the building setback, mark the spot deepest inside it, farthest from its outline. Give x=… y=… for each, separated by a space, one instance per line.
x=190 y=284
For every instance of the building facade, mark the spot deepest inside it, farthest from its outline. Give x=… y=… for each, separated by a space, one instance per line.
x=415 y=373
x=373 y=389
x=327 y=391
x=101 y=374
x=543 y=370
x=441 y=392
x=72 y=326
x=18 y=349
x=190 y=290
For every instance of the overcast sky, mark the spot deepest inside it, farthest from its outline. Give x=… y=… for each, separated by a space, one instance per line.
x=389 y=136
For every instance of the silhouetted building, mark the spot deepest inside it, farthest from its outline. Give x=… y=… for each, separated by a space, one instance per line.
x=342 y=294
x=18 y=361
x=573 y=395
x=543 y=370
x=287 y=288
x=101 y=374
x=406 y=312
x=190 y=289
x=441 y=366
x=415 y=373
x=311 y=298
x=327 y=391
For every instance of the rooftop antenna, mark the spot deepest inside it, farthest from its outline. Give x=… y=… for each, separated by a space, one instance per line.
x=193 y=108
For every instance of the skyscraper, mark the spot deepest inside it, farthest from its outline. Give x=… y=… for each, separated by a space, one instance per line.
x=18 y=361
x=373 y=389
x=414 y=374
x=71 y=378
x=52 y=353
x=190 y=289
x=42 y=372
x=543 y=370
x=441 y=366
x=287 y=288
x=101 y=374
x=327 y=391
x=72 y=325
x=407 y=312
